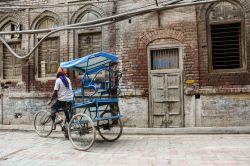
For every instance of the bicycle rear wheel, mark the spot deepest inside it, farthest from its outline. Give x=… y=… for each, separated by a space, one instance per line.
x=109 y=129
x=81 y=132
x=43 y=123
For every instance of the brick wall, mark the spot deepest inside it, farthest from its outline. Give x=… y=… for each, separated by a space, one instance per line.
x=130 y=40
x=137 y=35
x=225 y=79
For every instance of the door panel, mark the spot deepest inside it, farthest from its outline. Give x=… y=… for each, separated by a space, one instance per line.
x=174 y=121
x=158 y=87
x=158 y=121
x=174 y=108
x=159 y=108
x=173 y=87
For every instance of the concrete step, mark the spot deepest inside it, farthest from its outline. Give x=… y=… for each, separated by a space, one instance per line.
x=153 y=131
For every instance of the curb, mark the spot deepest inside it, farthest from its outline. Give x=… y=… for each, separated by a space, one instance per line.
x=152 y=131
x=188 y=130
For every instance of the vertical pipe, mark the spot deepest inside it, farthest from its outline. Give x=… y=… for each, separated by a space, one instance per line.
x=68 y=31
x=159 y=18
x=156 y=2
x=1 y=95
x=198 y=43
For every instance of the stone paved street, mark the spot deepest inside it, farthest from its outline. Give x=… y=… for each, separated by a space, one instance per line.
x=27 y=148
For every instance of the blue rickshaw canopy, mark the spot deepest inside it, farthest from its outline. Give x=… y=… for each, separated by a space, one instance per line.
x=90 y=63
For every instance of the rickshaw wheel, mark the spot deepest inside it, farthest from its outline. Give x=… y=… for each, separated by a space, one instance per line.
x=111 y=129
x=81 y=132
x=43 y=123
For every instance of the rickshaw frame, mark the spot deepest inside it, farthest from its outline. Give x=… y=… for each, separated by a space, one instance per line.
x=105 y=96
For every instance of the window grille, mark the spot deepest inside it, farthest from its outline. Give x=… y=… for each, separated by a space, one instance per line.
x=226 y=41
x=164 y=59
x=225 y=20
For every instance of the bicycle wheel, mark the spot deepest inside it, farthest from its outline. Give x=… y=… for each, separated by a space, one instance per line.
x=81 y=132
x=43 y=123
x=111 y=129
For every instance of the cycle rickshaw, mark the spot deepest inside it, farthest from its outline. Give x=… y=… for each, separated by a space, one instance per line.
x=97 y=100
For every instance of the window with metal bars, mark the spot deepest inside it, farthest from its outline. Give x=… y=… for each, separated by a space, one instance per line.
x=225 y=45
x=225 y=21
x=164 y=59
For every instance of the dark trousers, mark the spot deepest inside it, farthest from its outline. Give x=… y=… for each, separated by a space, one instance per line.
x=61 y=104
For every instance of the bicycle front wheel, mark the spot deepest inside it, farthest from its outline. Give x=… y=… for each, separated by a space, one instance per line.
x=43 y=123
x=81 y=132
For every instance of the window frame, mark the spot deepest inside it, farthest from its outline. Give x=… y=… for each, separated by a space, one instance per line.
x=37 y=60
x=162 y=47
x=38 y=37
x=12 y=40
x=77 y=35
x=242 y=47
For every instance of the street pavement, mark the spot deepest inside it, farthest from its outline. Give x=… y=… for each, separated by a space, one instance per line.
x=27 y=148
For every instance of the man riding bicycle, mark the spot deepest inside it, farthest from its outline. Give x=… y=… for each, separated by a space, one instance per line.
x=63 y=94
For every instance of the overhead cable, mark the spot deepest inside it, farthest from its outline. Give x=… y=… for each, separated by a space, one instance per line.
x=117 y=17
x=94 y=23
x=47 y=35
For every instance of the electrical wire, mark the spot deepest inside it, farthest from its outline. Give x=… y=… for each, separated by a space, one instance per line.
x=15 y=7
x=94 y=23
x=47 y=35
x=168 y=2
x=32 y=6
x=118 y=17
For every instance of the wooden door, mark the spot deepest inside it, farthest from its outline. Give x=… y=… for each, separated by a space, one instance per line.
x=165 y=92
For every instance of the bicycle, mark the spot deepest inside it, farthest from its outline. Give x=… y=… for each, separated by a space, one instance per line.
x=44 y=122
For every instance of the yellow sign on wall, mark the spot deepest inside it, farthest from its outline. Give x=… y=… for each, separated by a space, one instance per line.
x=190 y=81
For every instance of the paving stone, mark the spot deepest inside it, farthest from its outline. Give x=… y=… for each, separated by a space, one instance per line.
x=27 y=148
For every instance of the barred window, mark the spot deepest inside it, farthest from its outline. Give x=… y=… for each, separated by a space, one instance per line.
x=226 y=42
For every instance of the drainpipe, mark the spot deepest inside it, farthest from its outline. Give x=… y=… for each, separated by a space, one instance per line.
x=1 y=95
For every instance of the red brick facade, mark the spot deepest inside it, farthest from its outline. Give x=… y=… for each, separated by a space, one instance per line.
x=221 y=79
